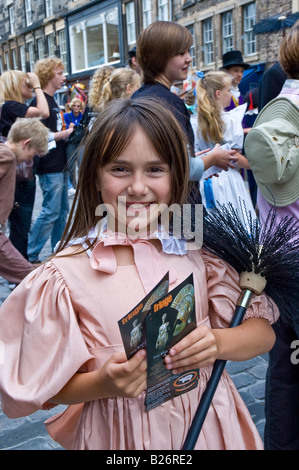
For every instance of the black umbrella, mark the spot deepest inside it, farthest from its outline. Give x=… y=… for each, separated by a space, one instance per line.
x=275 y=24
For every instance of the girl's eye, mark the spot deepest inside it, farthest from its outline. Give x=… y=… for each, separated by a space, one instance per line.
x=156 y=169
x=185 y=52
x=119 y=169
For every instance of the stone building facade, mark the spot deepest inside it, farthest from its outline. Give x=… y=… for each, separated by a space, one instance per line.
x=223 y=25
x=88 y=34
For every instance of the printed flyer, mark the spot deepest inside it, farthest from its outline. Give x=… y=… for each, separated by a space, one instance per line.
x=157 y=323
x=132 y=325
x=170 y=319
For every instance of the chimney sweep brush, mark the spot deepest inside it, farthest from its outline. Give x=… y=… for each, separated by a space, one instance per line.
x=267 y=259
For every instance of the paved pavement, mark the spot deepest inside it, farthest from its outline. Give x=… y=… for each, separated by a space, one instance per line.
x=29 y=433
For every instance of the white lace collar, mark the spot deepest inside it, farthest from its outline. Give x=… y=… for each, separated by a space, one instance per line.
x=170 y=244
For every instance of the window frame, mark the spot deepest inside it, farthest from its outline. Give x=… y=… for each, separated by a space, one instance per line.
x=22 y=50
x=249 y=40
x=63 y=49
x=28 y=12
x=51 y=42
x=146 y=13
x=80 y=22
x=49 y=8
x=163 y=10
x=227 y=31
x=40 y=49
x=11 y=14
x=7 y=60
x=192 y=51
x=208 y=41
x=31 y=55
x=130 y=23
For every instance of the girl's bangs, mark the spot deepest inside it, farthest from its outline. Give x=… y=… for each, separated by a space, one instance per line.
x=116 y=141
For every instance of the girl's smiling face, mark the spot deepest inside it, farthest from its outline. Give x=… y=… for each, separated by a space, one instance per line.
x=177 y=67
x=134 y=185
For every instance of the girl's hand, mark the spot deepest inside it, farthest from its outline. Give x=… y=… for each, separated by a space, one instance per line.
x=198 y=349
x=122 y=377
x=118 y=377
x=224 y=158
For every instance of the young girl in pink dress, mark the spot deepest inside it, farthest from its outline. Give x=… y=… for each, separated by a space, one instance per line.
x=60 y=325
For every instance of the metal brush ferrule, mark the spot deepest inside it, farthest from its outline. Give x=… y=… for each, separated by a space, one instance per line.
x=245 y=298
x=252 y=281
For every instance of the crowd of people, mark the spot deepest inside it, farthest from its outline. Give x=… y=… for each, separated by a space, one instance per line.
x=136 y=140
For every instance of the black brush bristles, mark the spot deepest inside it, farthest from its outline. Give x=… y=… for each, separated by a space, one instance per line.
x=271 y=250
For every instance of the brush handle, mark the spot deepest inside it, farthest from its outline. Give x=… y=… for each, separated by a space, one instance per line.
x=212 y=384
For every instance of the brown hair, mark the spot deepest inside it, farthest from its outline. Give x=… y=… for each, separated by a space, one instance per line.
x=110 y=135
x=158 y=43
x=289 y=52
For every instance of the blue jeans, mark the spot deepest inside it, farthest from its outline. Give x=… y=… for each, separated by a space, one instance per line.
x=72 y=161
x=52 y=218
x=20 y=216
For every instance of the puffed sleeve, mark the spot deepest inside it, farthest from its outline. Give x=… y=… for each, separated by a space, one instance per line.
x=43 y=344
x=224 y=292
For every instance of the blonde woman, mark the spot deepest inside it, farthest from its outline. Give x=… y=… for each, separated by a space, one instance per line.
x=73 y=118
x=122 y=83
x=212 y=126
x=16 y=87
x=99 y=79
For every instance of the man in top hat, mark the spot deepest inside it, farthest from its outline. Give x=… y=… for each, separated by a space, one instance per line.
x=132 y=62
x=234 y=65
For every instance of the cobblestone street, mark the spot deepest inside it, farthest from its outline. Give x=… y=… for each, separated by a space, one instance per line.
x=29 y=433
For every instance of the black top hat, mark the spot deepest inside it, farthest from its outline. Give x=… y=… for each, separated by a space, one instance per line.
x=132 y=52
x=233 y=58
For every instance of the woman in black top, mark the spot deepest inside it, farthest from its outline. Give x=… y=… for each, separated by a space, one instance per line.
x=163 y=55
x=16 y=88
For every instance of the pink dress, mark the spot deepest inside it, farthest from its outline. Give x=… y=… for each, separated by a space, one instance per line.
x=63 y=319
